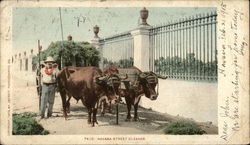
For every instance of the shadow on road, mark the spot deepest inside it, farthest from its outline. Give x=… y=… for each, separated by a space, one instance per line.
x=149 y=121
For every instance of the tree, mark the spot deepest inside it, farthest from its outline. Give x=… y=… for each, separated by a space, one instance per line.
x=71 y=53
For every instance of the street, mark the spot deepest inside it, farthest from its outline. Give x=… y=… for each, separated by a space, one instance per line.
x=25 y=99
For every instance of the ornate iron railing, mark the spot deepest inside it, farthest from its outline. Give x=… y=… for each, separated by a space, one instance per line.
x=185 y=49
x=118 y=50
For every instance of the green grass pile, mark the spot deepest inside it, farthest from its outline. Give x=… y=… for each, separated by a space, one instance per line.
x=183 y=128
x=26 y=124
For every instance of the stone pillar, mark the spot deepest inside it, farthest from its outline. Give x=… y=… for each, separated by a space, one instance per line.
x=30 y=62
x=15 y=63
x=141 y=42
x=141 y=47
x=19 y=63
x=73 y=58
x=96 y=43
x=24 y=61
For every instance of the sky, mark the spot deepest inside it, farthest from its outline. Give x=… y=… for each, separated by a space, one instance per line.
x=33 y=24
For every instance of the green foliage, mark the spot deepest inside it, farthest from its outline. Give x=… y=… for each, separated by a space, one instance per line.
x=121 y=63
x=25 y=124
x=183 y=128
x=88 y=53
x=188 y=65
x=82 y=53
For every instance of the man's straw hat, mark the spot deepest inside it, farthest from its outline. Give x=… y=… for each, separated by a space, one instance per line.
x=49 y=59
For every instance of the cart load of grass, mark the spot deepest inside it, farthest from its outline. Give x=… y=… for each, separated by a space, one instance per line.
x=183 y=128
x=26 y=124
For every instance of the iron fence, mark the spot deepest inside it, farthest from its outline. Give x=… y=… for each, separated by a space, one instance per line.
x=185 y=49
x=118 y=50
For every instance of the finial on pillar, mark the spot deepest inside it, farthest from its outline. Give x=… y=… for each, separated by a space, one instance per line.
x=40 y=48
x=69 y=38
x=96 y=31
x=144 y=16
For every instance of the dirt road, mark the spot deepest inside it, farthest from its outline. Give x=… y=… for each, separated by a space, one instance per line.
x=25 y=99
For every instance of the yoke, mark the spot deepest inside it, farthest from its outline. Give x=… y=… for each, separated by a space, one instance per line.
x=131 y=81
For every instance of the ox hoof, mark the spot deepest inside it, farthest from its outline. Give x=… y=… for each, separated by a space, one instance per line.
x=127 y=120
x=93 y=123
x=89 y=122
x=136 y=119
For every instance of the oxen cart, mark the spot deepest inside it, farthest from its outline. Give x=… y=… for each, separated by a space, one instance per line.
x=87 y=84
x=136 y=85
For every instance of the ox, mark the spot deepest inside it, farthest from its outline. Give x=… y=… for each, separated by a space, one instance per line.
x=143 y=83
x=88 y=85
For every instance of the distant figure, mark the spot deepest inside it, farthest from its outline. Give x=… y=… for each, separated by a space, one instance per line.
x=48 y=78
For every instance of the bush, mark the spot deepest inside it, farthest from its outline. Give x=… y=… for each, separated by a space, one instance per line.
x=183 y=128
x=121 y=63
x=25 y=124
x=189 y=65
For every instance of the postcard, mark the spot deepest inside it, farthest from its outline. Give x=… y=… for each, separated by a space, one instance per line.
x=124 y=72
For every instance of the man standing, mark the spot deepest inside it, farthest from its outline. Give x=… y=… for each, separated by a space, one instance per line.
x=48 y=76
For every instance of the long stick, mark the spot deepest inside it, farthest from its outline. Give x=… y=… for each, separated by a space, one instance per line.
x=39 y=79
x=61 y=22
x=117 y=114
x=61 y=34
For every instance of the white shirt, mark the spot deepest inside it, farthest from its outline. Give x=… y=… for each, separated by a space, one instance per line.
x=49 y=78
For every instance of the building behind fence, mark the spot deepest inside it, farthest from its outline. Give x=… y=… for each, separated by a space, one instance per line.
x=184 y=49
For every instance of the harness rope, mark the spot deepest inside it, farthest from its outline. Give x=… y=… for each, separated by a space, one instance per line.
x=114 y=88
x=117 y=111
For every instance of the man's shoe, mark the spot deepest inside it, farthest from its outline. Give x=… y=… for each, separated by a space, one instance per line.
x=49 y=115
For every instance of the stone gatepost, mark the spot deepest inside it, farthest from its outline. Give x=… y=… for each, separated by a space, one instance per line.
x=73 y=58
x=19 y=63
x=96 y=43
x=15 y=63
x=141 y=43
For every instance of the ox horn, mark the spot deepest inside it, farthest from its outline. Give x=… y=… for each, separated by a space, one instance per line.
x=102 y=78
x=161 y=76
x=143 y=75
